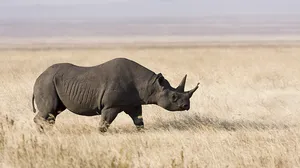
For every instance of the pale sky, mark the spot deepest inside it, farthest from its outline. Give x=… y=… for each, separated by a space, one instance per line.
x=10 y=9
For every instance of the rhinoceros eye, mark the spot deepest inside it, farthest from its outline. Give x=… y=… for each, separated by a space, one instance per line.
x=174 y=97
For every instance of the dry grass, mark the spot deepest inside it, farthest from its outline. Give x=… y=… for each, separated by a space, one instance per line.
x=245 y=114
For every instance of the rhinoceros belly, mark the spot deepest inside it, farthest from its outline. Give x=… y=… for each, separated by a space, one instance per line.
x=78 y=97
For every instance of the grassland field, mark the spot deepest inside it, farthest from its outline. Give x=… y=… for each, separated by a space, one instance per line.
x=246 y=112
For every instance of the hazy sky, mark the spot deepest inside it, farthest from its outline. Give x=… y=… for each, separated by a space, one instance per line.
x=10 y=9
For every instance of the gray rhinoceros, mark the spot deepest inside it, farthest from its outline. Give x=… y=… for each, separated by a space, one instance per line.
x=106 y=89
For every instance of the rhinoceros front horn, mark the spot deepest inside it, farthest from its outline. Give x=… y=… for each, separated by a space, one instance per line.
x=180 y=88
x=190 y=93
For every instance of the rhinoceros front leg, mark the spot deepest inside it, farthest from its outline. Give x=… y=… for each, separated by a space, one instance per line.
x=136 y=114
x=107 y=117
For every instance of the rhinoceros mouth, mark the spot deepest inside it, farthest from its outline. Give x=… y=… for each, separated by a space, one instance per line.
x=184 y=107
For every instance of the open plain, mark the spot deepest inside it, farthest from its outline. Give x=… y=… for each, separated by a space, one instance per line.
x=246 y=112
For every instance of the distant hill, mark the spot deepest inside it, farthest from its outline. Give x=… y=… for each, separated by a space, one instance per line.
x=152 y=26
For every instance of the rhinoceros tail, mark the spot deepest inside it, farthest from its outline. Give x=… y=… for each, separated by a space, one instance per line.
x=34 y=110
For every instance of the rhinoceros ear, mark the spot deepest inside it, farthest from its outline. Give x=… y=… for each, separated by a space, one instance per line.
x=160 y=79
x=180 y=87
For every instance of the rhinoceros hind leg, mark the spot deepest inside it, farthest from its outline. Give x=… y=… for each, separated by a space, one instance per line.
x=44 y=121
x=49 y=106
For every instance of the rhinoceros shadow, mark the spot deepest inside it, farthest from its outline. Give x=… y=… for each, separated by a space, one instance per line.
x=189 y=122
x=203 y=122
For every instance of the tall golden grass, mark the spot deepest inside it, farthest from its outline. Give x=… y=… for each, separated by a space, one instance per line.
x=246 y=112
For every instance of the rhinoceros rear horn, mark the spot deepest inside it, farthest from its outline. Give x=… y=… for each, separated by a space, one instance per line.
x=180 y=88
x=190 y=93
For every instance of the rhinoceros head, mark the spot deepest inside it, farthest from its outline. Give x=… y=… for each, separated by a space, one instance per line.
x=173 y=99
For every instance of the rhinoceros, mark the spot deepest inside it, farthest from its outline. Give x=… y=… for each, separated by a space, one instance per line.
x=107 y=89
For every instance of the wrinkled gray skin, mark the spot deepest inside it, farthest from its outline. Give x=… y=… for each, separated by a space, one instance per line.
x=106 y=89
